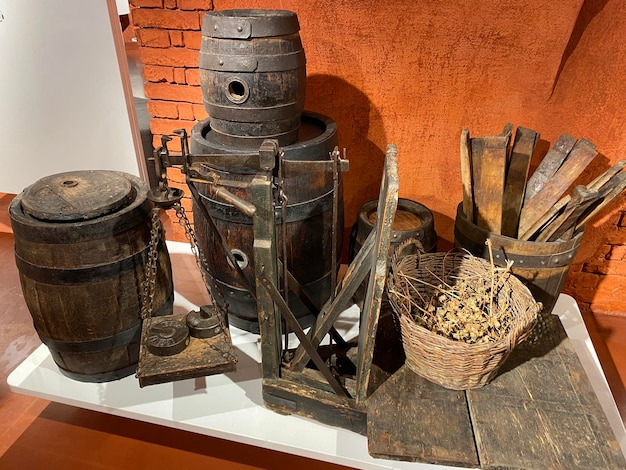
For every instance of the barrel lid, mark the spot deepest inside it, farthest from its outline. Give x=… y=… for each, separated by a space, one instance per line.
x=77 y=195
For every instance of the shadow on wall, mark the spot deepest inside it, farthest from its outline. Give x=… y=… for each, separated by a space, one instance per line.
x=357 y=121
x=588 y=12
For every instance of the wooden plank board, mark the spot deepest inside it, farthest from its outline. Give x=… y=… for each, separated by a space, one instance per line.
x=466 y=175
x=550 y=163
x=489 y=157
x=577 y=160
x=539 y=412
x=410 y=418
x=517 y=173
x=542 y=413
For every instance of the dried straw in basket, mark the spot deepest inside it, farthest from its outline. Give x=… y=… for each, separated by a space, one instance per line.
x=418 y=280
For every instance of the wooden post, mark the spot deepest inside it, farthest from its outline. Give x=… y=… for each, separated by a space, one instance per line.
x=265 y=263
x=387 y=204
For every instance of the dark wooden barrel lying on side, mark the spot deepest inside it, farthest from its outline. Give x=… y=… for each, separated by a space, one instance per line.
x=309 y=216
x=253 y=75
x=541 y=266
x=81 y=244
x=412 y=220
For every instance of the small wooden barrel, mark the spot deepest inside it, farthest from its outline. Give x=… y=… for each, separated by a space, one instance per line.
x=542 y=266
x=253 y=74
x=412 y=220
x=308 y=215
x=81 y=244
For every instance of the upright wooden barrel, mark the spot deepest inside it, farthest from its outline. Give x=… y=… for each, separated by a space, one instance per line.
x=541 y=266
x=253 y=74
x=81 y=244
x=309 y=216
x=412 y=220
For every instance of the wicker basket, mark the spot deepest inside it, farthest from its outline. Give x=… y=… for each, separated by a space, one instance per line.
x=454 y=364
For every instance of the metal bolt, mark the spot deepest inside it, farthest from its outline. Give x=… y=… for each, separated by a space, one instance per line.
x=240 y=28
x=214 y=27
x=221 y=62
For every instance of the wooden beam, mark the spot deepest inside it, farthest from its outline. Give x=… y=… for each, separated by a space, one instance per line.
x=387 y=204
x=264 y=226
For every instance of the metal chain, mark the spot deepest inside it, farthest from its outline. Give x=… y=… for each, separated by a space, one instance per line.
x=149 y=282
x=201 y=261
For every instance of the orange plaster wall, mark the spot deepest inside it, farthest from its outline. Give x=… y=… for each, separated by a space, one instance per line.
x=415 y=73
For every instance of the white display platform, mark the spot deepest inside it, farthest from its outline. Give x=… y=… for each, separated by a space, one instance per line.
x=230 y=406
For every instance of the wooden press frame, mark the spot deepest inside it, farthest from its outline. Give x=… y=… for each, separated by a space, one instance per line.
x=289 y=387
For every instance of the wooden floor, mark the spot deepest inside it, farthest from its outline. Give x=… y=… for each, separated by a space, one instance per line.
x=39 y=434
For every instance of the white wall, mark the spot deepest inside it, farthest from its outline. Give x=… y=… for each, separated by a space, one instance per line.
x=63 y=105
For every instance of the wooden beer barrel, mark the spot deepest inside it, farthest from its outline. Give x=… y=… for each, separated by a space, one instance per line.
x=81 y=244
x=253 y=74
x=541 y=266
x=412 y=220
x=308 y=222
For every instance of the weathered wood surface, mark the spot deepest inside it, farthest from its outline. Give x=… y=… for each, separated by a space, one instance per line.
x=387 y=204
x=545 y=218
x=489 y=160
x=550 y=163
x=610 y=191
x=580 y=200
x=265 y=263
x=466 y=175
x=542 y=412
x=202 y=357
x=291 y=397
x=521 y=154
x=577 y=160
x=539 y=412
x=410 y=418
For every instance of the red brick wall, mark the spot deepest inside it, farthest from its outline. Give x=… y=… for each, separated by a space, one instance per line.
x=169 y=37
x=415 y=74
